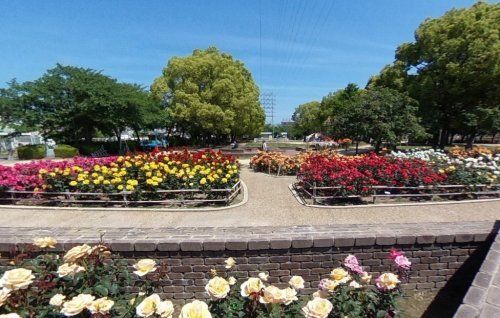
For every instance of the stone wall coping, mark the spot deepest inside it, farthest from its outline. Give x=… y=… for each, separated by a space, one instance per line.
x=483 y=297
x=196 y=239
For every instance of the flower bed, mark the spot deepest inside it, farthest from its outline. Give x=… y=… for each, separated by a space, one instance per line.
x=204 y=176
x=418 y=175
x=282 y=164
x=88 y=281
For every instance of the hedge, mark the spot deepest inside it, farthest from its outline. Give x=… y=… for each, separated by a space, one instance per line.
x=31 y=152
x=65 y=151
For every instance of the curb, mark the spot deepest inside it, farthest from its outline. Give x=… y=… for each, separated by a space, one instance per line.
x=29 y=207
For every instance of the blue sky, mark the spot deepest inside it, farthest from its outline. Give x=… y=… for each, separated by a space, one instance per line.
x=305 y=48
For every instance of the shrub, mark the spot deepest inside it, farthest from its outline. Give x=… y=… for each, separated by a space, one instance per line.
x=29 y=152
x=88 y=281
x=65 y=151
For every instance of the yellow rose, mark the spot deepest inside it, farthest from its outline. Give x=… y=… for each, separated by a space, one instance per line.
x=340 y=275
x=77 y=304
x=120 y=187
x=44 y=242
x=203 y=181
x=231 y=280
x=230 y=262
x=317 y=308
x=195 y=309
x=251 y=286
x=4 y=295
x=296 y=282
x=387 y=281
x=67 y=269
x=217 y=288
x=76 y=253
x=101 y=306
x=73 y=183
x=144 y=267
x=15 y=279
x=57 y=300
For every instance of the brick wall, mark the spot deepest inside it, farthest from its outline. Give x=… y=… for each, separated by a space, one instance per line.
x=439 y=251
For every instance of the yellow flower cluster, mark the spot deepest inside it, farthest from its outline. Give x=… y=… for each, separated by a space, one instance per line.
x=147 y=172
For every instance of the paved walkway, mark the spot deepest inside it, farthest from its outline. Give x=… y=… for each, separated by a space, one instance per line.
x=270 y=203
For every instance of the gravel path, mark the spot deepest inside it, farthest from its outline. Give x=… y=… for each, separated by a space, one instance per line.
x=270 y=203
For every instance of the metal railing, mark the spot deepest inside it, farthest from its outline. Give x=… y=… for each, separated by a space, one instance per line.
x=125 y=198
x=320 y=194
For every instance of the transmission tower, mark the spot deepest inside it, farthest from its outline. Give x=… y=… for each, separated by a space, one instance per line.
x=267 y=101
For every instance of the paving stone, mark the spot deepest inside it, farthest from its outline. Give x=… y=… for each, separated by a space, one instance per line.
x=475 y=296
x=466 y=311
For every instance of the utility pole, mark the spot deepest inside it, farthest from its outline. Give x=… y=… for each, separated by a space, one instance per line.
x=267 y=101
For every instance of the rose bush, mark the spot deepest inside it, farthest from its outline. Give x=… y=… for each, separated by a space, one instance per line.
x=356 y=175
x=142 y=175
x=101 y=289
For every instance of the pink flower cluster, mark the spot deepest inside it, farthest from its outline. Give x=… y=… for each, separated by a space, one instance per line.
x=400 y=259
x=24 y=176
x=352 y=263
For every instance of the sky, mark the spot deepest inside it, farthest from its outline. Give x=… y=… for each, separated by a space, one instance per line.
x=299 y=50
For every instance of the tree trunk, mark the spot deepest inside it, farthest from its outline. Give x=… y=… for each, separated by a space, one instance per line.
x=118 y=134
x=493 y=138
x=470 y=141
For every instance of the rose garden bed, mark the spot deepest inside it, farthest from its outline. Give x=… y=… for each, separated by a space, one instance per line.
x=157 y=178
x=328 y=178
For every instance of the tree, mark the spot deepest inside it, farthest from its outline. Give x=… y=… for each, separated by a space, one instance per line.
x=379 y=115
x=453 y=70
x=308 y=118
x=210 y=95
x=69 y=104
x=334 y=104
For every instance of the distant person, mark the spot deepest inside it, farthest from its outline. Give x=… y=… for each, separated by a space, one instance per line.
x=11 y=146
x=264 y=146
x=234 y=145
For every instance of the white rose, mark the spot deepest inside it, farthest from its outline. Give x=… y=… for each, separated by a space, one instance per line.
x=231 y=280
x=263 y=276
x=296 y=282
x=4 y=295
x=15 y=279
x=230 y=262
x=44 y=242
x=77 y=304
x=272 y=295
x=217 y=288
x=148 y=306
x=251 y=286
x=144 y=267
x=12 y=315
x=67 y=269
x=195 y=309
x=165 y=309
x=101 y=306
x=290 y=295
x=57 y=300
x=76 y=253
x=317 y=308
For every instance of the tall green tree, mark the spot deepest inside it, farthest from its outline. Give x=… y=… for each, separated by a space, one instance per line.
x=69 y=104
x=209 y=94
x=453 y=70
x=308 y=118
x=334 y=104
x=378 y=115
